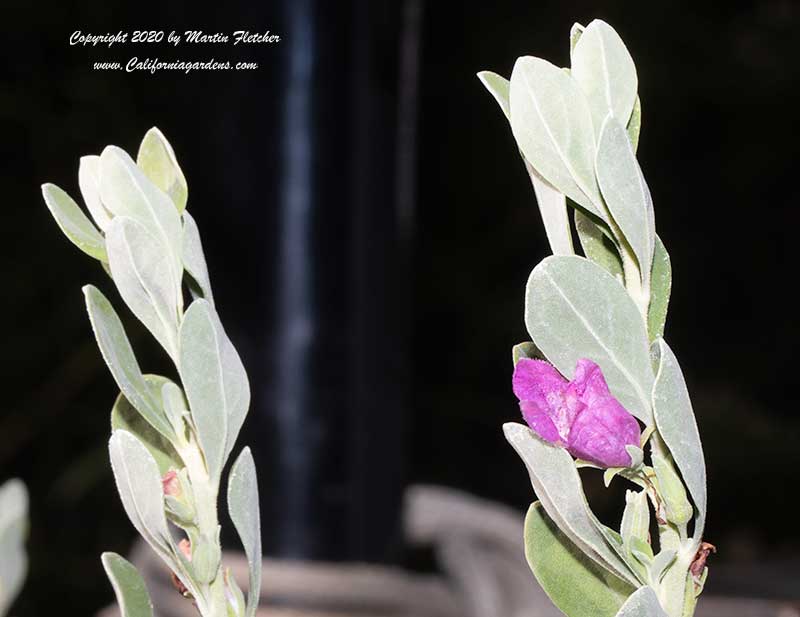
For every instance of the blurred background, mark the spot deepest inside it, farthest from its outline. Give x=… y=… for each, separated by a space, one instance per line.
x=369 y=229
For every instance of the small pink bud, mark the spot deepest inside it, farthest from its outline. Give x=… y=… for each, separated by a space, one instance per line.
x=185 y=547
x=171 y=483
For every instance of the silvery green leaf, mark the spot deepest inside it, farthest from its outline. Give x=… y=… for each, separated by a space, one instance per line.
x=604 y=70
x=498 y=86
x=89 y=182
x=74 y=223
x=635 y=124
x=552 y=203
x=636 y=517
x=157 y=160
x=243 y=510
x=641 y=550
x=677 y=426
x=574 y=35
x=575 y=309
x=193 y=258
x=126 y=191
x=642 y=603
x=13 y=529
x=558 y=486
x=597 y=245
x=125 y=417
x=553 y=208
x=145 y=280
x=215 y=382
x=552 y=124
x=660 y=288
x=129 y=586
x=576 y=585
x=141 y=491
x=117 y=353
x=626 y=193
x=525 y=350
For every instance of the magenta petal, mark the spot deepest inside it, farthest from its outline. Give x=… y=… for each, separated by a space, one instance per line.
x=601 y=431
x=534 y=379
x=538 y=419
x=589 y=383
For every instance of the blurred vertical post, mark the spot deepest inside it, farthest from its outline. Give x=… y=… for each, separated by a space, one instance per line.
x=336 y=393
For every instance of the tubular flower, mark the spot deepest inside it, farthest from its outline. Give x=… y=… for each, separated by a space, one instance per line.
x=580 y=415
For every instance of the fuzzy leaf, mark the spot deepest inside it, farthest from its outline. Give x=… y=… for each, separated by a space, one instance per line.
x=575 y=584
x=117 y=353
x=552 y=124
x=635 y=124
x=575 y=309
x=126 y=191
x=193 y=258
x=642 y=603
x=215 y=382
x=660 y=288
x=74 y=223
x=125 y=417
x=552 y=203
x=597 y=246
x=129 y=586
x=678 y=428
x=157 y=160
x=145 y=280
x=604 y=70
x=243 y=508
x=525 y=350
x=558 y=486
x=626 y=193
x=89 y=182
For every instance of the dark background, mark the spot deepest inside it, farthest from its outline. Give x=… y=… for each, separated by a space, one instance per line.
x=361 y=187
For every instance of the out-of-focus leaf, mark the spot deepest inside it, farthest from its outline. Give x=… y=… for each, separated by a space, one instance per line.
x=575 y=584
x=129 y=586
x=575 y=309
x=157 y=160
x=552 y=124
x=74 y=223
x=13 y=529
x=117 y=353
x=678 y=428
x=244 y=512
x=145 y=280
x=215 y=382
x=558 y=486
x=604 y=70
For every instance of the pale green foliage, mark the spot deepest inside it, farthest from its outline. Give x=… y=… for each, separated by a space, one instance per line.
x=577 y=131
x=576 y=584
x=13 y=529
x=575 y=309
x=167 y=449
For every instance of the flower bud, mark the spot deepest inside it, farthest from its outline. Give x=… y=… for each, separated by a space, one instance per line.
x=672 y=491
x=580 y=415
x=206 y=556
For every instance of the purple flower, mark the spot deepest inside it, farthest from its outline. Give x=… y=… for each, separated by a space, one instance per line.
x=580 y=415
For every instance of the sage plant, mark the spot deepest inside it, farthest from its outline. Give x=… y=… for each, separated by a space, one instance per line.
x=13 y=529
x=171 y=436
x=598 y=385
